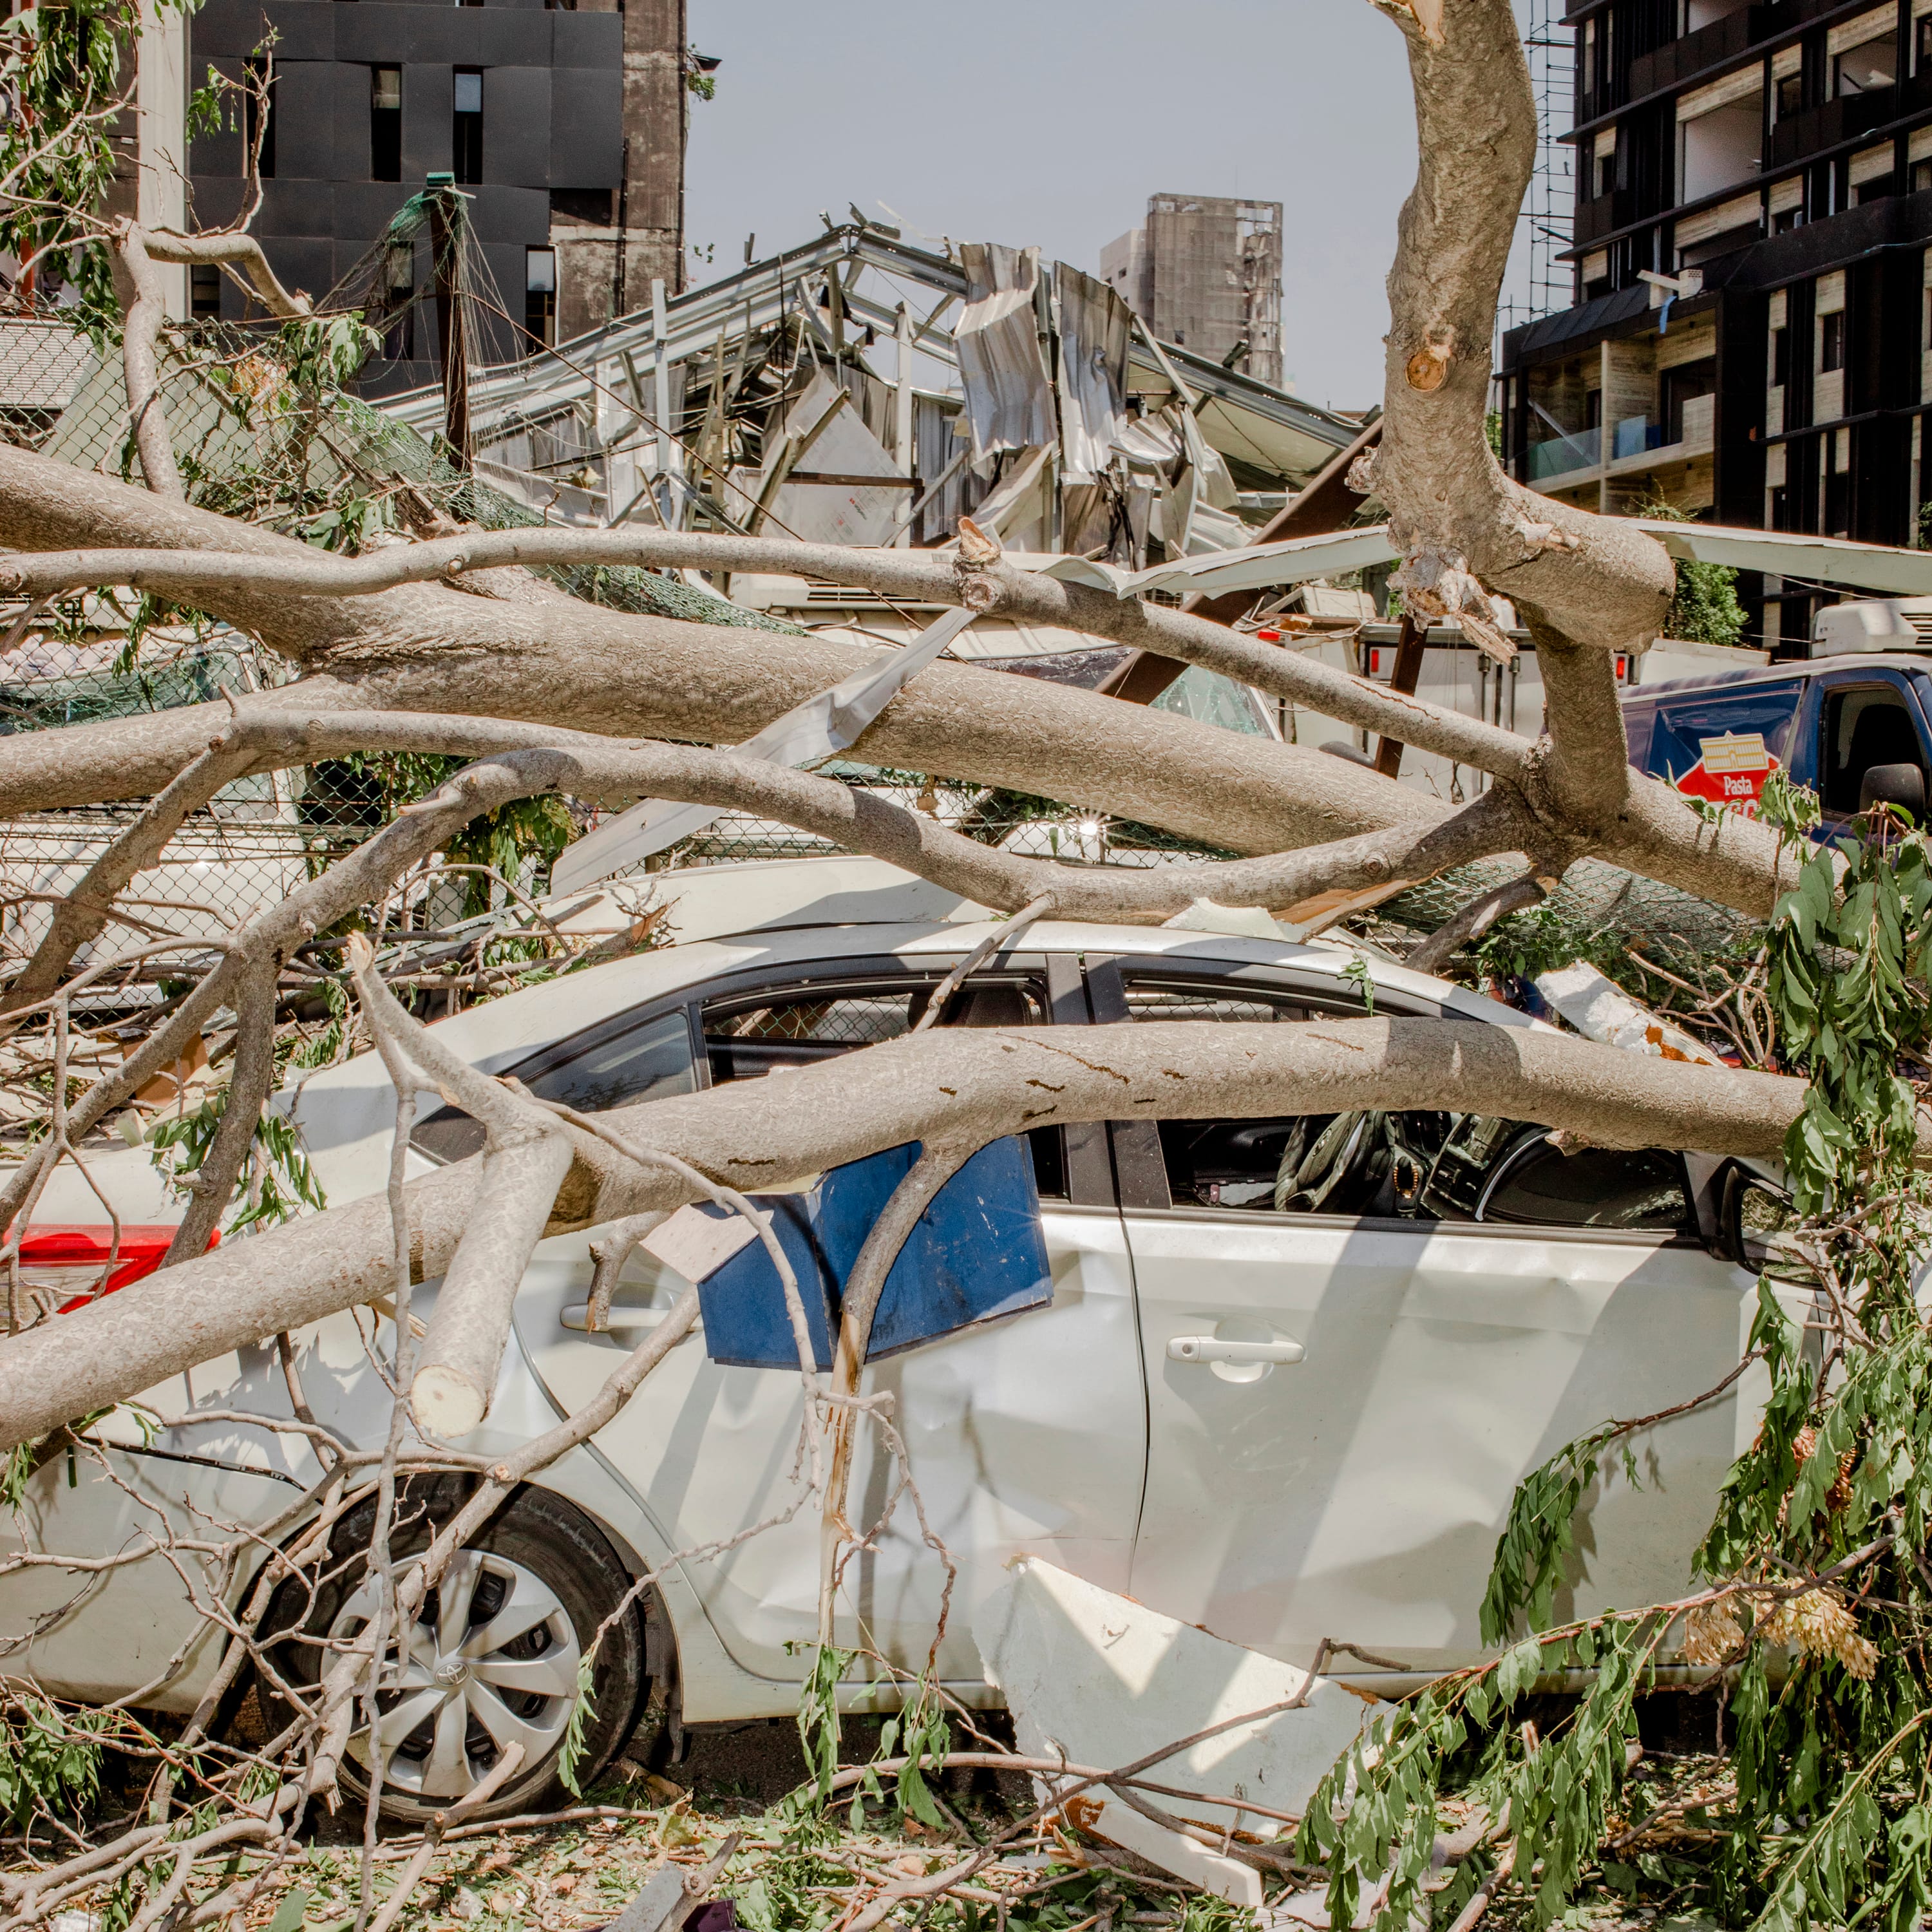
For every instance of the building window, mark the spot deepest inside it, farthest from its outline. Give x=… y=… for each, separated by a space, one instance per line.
x=1780 y=358
x=1790 y=95
x=465 y=139
x=204 y=292
x=1838 y=503
x=1786 y=220
x=540 y=295
x=1831 y=341
x=1607 y=174
x=1867 y=69
x=1922 y=171
x=386 y=123
x=258 y=119
x=1924 y=59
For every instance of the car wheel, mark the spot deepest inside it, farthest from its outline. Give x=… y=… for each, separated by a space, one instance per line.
x=492 y=1657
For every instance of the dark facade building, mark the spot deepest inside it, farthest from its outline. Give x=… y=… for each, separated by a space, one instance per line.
x=564 y=126
x=1749 y=341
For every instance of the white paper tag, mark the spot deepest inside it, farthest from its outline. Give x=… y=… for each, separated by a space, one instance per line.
x=697 y=1246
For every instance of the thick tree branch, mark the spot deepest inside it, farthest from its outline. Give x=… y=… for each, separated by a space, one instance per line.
x=528 y=1156
x=1596 y=579
x=231 y=251
x=599 y=769
x=998 y=590
x=942 y=1084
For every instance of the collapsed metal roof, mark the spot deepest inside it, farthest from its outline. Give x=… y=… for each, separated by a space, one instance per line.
x=980 y=377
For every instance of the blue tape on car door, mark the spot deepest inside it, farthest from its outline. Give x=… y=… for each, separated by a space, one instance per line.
x=978 y=1253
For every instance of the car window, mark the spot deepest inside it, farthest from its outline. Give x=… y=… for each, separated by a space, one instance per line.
x=1866 y=726
x=608 y=1066
x=1420 y=1165
x=1593 y=1187
x=749 y=1035
x=1723 y=749
x=1147 y=1000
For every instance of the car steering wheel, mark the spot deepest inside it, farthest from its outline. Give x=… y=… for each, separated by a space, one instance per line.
x=1343 y=1152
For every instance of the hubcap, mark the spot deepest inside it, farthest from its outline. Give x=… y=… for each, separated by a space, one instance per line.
x=492 y=1660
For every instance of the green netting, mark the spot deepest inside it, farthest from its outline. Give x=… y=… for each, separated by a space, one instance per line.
x=1598 y=912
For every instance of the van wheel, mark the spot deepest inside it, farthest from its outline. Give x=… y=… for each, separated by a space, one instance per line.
x=493 y=1658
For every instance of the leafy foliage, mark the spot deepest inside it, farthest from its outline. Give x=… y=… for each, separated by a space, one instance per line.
x=1540 y=1534
x=818 y=1727
x=49 y=1759
x=1816 y=1588
x=67 y=67
x=282 y=1180
x=919 y=1732
x=582 y=1709
x=539 y=827
x=1705 y=608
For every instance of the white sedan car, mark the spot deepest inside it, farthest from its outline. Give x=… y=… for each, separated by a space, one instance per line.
x=1463 y=1299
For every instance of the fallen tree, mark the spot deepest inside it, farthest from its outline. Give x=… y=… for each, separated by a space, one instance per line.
x=450 y=647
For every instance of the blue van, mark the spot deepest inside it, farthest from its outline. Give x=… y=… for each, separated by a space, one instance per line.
x=1828 y=722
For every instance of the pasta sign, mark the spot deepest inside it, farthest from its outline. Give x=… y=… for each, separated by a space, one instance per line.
x=1732 y=771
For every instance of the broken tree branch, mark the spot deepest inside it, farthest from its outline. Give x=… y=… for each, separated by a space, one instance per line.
x=945 y=1083
x=144 y=309
x=526 y=1159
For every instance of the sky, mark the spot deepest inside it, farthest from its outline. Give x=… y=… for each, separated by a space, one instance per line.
x=1051 y=121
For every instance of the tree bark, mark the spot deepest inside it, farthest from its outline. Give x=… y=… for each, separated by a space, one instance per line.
x=941 y=1084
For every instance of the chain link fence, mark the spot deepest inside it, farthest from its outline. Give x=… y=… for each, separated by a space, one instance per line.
x=254 y=436
x=258 y=435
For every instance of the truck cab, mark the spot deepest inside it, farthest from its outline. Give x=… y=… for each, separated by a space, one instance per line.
x=1827 y=721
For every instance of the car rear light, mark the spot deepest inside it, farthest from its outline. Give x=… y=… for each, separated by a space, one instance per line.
x=1623 y=666
x=65 y=1258
x=1375 y=662
x=1267 y=636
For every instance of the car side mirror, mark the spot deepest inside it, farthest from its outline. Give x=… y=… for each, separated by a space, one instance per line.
x=1901 y=785
x=1755 y=1221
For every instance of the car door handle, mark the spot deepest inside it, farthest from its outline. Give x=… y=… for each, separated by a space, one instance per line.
x=1212 y=1349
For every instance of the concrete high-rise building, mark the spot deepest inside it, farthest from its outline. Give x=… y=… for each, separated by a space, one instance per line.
x=1204 y=271
x=564 y=125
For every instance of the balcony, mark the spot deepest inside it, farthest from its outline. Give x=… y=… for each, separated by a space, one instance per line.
x=1678 y=61
x=1837 y=121
x=1635 y=436
x=1561 y=454
x=1602 y=216
x=1637 y=442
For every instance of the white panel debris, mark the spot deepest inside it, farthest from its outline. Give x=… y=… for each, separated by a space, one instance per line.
x=1099 y=1681
x=1599 y=1009
x=1009 y=389
x=1094 y=327
x=835 y=442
